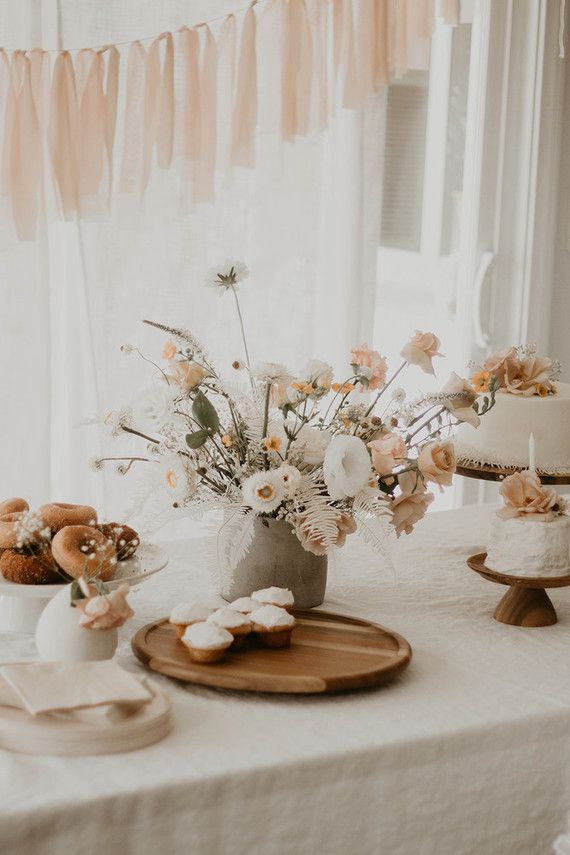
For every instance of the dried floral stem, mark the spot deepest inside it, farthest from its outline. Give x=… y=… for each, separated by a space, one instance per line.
x=138 y=433
x=242 y=327
x=425 y=424
x=383 y=389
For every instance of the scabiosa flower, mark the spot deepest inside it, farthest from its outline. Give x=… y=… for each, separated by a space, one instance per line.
x=263 y=492
x=270 y=372
x=127 y=349
x=115 y=420
x=96 y=464
x=227 y=274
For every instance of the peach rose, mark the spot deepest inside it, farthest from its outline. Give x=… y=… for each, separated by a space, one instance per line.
x=524 y=496
x=498 y=363
x=188 y=375
x=524 y=376
x=408 y=509
x=421 y=349
x=104 y=611
x=386 y=452
x=375 y=365
x=345 y=525
x=437 y=462
x=461 y=404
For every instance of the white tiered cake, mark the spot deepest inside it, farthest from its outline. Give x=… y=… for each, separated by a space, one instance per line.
x=502 y=437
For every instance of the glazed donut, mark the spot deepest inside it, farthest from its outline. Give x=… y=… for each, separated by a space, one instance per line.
x=30 y=568
x=73 y=546
x=57 y=515
x=9 y=529
x=12 y=506
x=125 y=539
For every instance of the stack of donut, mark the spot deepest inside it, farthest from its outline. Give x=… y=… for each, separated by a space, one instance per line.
x=71 y=544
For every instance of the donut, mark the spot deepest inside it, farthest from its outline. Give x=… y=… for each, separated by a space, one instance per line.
x=29 y=568
x=9 y=529
x=12 y=506
x=57 y=515
x=125 y=539
x=73 y=546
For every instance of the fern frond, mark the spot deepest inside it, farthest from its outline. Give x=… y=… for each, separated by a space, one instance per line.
x=317 y=516
x=236 y=535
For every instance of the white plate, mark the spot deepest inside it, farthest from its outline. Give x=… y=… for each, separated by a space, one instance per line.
x=45 y=734
x=18 y=614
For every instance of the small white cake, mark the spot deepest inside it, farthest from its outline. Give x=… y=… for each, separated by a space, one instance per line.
x=529 y=547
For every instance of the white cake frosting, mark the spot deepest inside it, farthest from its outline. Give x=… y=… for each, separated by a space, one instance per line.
x=207 y=636
x=502 y=437
x=187 y=613
x=229 y=618
x=271 y=617
x=275 y=596
x=525 y=546
x=244 y=604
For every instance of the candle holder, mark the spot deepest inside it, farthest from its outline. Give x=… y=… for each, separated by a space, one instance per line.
x=526 y=602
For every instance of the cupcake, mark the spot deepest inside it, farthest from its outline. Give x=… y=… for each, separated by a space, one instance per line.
x=186 y=614
x=207 y=642
x=273 y=626
x=274 y=596
x=245 y=605
x=236 y=623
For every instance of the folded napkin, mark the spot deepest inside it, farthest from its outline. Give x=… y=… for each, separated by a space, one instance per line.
x=63 y=687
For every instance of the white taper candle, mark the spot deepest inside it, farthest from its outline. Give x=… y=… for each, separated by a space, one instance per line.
x=531 y=453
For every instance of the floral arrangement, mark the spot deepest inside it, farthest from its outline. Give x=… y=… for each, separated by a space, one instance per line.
x=524 y=496
x=519 y=371
x=100 y=608
x=327 y=456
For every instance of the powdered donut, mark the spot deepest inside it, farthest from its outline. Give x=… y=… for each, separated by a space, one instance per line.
x=12 y=506
x=9 y=529
x=59 y=514
x=30 y=568
x=73 y=546
x=125 y=539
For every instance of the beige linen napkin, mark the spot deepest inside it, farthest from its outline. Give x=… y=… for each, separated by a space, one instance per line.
x=64 y=687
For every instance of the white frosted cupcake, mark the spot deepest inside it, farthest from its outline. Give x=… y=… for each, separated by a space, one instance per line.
x=273 y=626
x=236 y=623
x=281 y=597
x=207 y=642
x=245 y=605
x=186 y=614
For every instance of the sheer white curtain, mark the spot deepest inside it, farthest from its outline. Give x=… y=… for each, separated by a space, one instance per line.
x=306 y=221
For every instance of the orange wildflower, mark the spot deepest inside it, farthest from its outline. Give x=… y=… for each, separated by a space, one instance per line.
x=343 y=388
x=480 y=381
x=227 y=440
x=272 y=443
x=169 y=350
x=305 y=388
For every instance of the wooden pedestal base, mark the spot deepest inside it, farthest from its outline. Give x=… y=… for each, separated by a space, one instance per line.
x=526 y=603
x=525 y=607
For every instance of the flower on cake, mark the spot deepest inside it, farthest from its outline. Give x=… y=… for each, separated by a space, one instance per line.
x=524 y=496
x=421 y=349
x=518 y=371
x=437 y=462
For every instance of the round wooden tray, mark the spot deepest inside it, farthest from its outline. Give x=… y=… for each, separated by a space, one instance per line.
x=483 y=472
x=526 y=603
x=328 y=653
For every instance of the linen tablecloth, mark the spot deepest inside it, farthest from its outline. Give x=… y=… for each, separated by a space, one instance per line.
x=467 y=752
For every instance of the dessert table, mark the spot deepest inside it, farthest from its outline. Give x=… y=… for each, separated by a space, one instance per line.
x=467 y=752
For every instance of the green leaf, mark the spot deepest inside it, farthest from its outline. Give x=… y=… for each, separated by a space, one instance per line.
x=76 y=593
x=197 y=439
x=205 y=413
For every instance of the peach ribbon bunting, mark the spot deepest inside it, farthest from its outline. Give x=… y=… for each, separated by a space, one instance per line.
x=244 y=114
x=60 y=123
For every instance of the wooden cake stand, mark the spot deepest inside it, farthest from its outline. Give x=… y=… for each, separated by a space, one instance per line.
x=526 y=603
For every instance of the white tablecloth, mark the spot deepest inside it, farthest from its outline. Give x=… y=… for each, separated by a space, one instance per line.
x=467 y=752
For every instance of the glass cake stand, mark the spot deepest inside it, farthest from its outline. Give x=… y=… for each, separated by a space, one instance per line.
x=526 y=602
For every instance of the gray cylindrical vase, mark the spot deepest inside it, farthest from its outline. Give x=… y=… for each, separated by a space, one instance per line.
x=276 y=557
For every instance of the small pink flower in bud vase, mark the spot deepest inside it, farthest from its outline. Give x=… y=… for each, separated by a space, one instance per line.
x=103 y=611
x=421 y=349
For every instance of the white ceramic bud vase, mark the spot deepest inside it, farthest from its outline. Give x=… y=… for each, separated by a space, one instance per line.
x=276 y=557
x=59 y=638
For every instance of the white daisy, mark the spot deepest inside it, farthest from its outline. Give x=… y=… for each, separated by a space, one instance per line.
x=227 y=274
x=346 y=467
x=263 y=491
x=177 y=477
